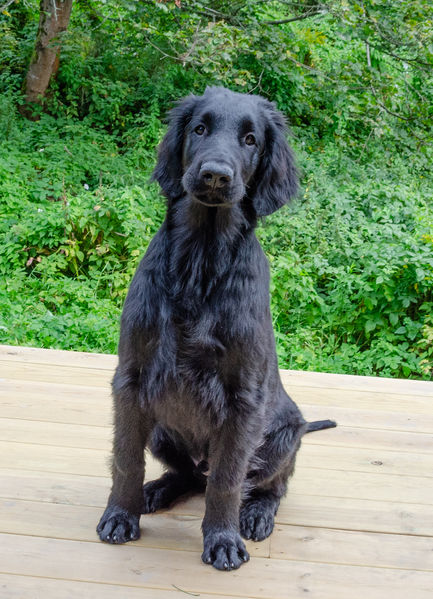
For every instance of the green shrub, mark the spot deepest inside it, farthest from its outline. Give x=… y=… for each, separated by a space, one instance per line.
x=351 y=260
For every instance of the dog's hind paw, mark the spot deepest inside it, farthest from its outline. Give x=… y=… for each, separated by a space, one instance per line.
x=256 y=519
x=118 y=526
x=159 y=494
x=224 y=550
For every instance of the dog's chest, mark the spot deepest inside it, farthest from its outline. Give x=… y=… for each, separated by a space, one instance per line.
x=194 y=398
x=206 y=334
x=183 y=412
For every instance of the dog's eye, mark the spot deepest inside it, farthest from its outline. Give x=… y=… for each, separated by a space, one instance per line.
x=200 y=129
x=250 y=140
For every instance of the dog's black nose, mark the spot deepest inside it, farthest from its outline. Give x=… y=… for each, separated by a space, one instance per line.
x=215 y=174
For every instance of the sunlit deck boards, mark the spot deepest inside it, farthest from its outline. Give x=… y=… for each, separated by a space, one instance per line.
x=357 y=522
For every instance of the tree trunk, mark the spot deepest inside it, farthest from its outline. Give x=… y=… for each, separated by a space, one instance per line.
x=54 y=19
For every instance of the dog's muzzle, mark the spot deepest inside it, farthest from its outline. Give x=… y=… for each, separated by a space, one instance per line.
x=213 y=184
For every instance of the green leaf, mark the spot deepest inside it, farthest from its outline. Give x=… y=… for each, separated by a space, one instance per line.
x=370 y=325
x=393 y=318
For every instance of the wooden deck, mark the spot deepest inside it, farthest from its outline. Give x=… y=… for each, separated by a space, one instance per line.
x=357 y=522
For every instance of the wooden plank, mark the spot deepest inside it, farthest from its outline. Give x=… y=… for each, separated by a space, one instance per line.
x=407 y=404
x=301 y=378
x=352 y=513
x=179 y=532
x=98 y=437
x=364 y=515
x=307 y=481
x=82 y=460
x=40 y=401
x=12 y=389
x=69 y=460
x=351 y=548
x=167 y=530
x=54 y=407
x=56 y=433
x=360 y=485
x=57 y=357
x=371 y=475
x=353 y=417
x=65 y=374
x=95 y=462
x=28 y=587
x=362 y=400
x=83 y=411
x=182 y=532
x=357 y=459
x=346 y=436
x=355 y=514
x=291 y=378
x=161 y=569
x=54 y=487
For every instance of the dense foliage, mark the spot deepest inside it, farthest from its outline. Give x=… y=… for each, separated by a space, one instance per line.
x=351 y=259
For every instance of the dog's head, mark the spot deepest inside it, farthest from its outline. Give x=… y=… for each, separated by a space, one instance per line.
x=223 y=147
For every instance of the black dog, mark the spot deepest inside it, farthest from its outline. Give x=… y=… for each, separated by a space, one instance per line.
x=198 y=380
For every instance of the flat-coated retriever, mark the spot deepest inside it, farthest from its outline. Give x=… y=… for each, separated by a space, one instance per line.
x=197 y=381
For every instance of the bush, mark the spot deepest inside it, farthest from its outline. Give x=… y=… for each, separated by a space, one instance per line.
x=351 y=260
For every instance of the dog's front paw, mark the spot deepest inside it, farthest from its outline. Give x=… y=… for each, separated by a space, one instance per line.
x=224 y=550
x=118 y=526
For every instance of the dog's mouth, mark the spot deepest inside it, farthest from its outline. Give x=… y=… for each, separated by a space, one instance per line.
x=217 y=198
x=211 y=202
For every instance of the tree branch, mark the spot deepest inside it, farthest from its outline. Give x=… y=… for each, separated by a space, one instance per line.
x=258 y=85
x=293 y=4
x=164 y=54
x=367 y=49
x=306 y=15
x=3 y=8
x=391 y=41
x=207 y=11
x=184 y=57
x=401 y=58
x=398 y=116
x=313 y=70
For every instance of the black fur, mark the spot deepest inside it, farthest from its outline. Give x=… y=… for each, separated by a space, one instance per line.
x=197 y=380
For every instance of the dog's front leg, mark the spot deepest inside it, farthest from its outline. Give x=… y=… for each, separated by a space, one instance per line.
x=229 y=452
x=120 y=521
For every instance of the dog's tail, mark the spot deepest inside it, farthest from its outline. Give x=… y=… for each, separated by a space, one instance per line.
x=319 y=425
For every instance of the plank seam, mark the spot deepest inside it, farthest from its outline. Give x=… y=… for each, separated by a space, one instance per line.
x=300 y=468
x=133 y=586
x=342 y=426
x=257 y=557
x=110 y=426
x=332 y=445
x=190 y=513
x=264 y=557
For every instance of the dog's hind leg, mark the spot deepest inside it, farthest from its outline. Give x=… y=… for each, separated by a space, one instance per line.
x=258 y=510
x=271 y=467
x=182 y=477
x=267 y=480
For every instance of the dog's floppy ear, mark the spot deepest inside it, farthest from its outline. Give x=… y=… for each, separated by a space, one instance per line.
x=276 y=178
x=168 y=170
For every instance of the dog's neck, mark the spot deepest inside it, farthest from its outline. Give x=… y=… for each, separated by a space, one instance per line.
x=204 y=245
x=220 y=226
